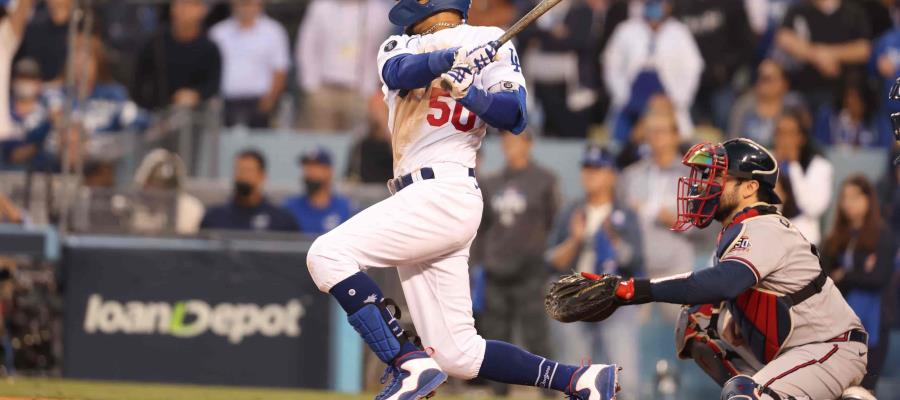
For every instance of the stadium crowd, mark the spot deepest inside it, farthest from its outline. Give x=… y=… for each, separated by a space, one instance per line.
x=635 y=81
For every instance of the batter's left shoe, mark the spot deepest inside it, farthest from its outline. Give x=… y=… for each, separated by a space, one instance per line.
x=415 y=376
x=594 y=382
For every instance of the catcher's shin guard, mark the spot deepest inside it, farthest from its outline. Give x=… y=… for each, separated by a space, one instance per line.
x=380 y=329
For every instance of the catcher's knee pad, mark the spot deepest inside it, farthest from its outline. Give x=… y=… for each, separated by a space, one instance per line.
x=740 y=387
x=328 y=264
x=696 y=338
x=380 y=329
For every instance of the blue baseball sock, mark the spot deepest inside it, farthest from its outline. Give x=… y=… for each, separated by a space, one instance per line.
x=358 y=291
x=506 y=363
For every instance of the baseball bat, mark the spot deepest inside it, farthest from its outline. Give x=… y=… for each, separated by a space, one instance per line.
x=518 y=27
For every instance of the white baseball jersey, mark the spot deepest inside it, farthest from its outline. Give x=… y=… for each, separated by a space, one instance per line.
x=427 y=125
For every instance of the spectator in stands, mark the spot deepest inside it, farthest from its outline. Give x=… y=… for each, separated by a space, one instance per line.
x=180 y=66
x=551 y=49
x=650 y=55
x=371 y=158
x=46 y=39
x=755 y=113
x=859 y=255
x=809 y=172
x=98 y=175
x=520 y=203
x=319 y=209
x=649 y=188
x=885 y=65
x=599 y=234
x=249 y=209
x=722 y=31
x=12 y=24
x=255 y=60
x=827 y=37
x=849 y=121
x=163 y=172
x=31 y=119
x=336 y=62
x=492 y=13
x=889 y=192
x=103 y=110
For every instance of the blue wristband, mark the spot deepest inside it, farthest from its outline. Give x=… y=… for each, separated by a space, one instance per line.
x=440 y=61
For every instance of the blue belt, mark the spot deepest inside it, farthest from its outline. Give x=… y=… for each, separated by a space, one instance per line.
x=399 y=183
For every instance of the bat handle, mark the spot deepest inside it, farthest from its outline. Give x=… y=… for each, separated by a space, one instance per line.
x=446 y=85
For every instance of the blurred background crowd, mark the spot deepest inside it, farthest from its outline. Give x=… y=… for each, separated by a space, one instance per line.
x=185 y=117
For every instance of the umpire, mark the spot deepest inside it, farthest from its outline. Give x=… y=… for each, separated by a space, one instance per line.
x=520 y=203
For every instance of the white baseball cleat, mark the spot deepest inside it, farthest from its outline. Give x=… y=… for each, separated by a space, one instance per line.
x=414 y=376
x=594 y=382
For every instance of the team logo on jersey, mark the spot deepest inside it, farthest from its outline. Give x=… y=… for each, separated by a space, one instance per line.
x=390 y=45
x=741 y=245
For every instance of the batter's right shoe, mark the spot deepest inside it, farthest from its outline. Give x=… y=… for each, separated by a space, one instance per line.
x=594 y=382
x=415 y=376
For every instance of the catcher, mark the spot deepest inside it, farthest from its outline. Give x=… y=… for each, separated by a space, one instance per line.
x=765 y=321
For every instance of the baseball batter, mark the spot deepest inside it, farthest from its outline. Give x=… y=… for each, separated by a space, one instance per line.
x=426 y=227
x=767 y=322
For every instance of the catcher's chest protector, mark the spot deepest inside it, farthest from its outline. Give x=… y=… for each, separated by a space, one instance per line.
x=764 y=318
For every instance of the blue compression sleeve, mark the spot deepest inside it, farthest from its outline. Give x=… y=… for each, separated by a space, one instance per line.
x=722 y=282
x=413 y=71
x=502 y=110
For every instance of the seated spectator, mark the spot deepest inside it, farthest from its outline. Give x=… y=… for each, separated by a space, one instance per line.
x=164 y=172
x=650 y=55
x=827 y=37
x=320 y=209
x=551 y=49
x=885 y=65
x=849 y=121
x=371 y=158
x=249 y=209
x=31 y=118
x=809 y=172
x=47 y=39
x=180 y=66
x=754 y=114
x=726 y=41
x=12 y=24
x=601 y=235
x=859 y=256
x=520 y=203
x=255 y=61
x=336 y=65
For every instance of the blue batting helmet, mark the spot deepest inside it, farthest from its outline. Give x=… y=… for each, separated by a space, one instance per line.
x=407 y=12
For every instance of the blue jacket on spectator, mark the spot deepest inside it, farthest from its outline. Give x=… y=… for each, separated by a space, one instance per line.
x=263 y=217
x=623 y=257
x=887 y=45
x=34 y=127
x=108 y=110
x=316 y=221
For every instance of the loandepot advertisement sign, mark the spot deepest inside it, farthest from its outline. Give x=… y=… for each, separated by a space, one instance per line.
x=191 y=318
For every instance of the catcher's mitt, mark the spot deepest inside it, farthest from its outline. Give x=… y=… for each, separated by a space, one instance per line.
x=583 y=297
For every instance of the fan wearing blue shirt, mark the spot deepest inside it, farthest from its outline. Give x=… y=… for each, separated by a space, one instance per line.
x=319 y=209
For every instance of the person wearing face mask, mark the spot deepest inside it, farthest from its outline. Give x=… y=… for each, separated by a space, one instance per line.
x=249 y=209
x=319 y=209
x=30 y=116
x=655 y=54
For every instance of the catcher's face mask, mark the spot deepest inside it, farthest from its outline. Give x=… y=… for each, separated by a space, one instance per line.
x=698 y=194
